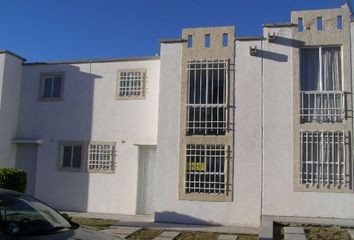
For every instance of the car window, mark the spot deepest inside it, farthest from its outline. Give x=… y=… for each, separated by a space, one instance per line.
x=27 y=215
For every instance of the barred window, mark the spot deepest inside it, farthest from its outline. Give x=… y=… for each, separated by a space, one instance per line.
x=206 y=169
x=207 y=97
x=324 y=158
x=101 y=157
x=322 y=98
x=130 y=84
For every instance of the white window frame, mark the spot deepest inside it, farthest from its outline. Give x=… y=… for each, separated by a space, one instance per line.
x=218 y=123
x=107 y=155
x=129 y=90
x=324 y=158
x=43 y=77
x=321 y=112
x=72 y=144
x=208 y=165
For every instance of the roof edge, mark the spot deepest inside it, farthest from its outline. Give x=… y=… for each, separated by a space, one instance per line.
x=279 y=25
x=172 y=40
x=250 y=38
x=95 y=60
x=5 y=51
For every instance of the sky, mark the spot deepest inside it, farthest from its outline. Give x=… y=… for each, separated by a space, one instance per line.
x=55 y=30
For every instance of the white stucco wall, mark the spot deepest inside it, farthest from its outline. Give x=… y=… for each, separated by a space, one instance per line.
x=89 y=111
x=244 y=210
x=10 y=82
x=279 y=197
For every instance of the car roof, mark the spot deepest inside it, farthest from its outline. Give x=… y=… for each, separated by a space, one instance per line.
x=7 y=192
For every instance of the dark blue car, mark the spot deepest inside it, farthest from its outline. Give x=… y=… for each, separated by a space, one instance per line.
x=26 y=218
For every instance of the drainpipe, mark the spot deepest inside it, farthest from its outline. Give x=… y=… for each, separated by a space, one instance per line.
x=352 y=98
x=262 y=132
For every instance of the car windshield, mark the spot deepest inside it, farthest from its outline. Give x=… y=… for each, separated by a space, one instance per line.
x=27 y=215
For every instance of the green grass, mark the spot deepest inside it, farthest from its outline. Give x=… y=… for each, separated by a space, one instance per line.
x=332 y=233
x=247 y=237
x=197 y=236
x=149 y=234
x=94 y=222
x=145 y=234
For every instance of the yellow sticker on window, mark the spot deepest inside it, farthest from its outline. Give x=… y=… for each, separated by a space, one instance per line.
x=195 y=166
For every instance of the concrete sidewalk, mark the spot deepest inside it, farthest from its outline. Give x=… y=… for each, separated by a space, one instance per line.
x=110 y=216
x=147 y=221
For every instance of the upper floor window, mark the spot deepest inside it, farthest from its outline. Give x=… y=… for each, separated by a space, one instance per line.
x=71 y=156
x=207 y=97
x=51 y=86
x=130 y=84
x=321 y=90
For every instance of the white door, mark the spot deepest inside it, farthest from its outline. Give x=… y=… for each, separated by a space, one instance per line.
x=26 y=159
x=146 y=179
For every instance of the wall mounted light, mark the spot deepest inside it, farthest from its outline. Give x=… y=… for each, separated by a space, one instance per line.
x=253 y=51
x=271 y=37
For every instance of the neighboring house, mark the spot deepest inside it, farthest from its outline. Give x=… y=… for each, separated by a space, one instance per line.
x=218 y=129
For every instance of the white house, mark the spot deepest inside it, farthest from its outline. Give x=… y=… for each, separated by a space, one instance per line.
x=217 y=130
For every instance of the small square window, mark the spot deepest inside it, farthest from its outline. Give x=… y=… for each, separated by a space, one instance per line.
x=71 y=156
x=130 y=84
x=207 y=40
x=101 y=157
x=51 y=86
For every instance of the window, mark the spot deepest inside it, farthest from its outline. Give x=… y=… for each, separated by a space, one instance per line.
x=324 y=158
x=101 y=157
x=339 y=22
x=225 y=40
x=300 y=25
x=321 y=94
x=207 y=40
x=130 y=84
x=71 y=156
x=190 y=41
x=319 y=24
x=207 y=97
x=51 y=86
x=206 y=169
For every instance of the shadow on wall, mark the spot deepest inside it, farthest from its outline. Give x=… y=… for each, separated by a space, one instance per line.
x=174 y=217
x=272 y=56
x=289 y=42
x=73 y=117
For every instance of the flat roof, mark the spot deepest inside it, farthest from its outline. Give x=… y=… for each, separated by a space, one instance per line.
x=250 y=38
x=172 y=40
x=279 y=25
x=5 y=51
x=95 y=60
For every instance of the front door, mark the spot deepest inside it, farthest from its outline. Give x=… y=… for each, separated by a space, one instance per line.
x=146 y=179
x=26 y=159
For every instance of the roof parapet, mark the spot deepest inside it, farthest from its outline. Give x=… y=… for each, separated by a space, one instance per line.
x=5 y=51
x=95 y=60
x=279 y=25
x=250 y=38
x=172 y=40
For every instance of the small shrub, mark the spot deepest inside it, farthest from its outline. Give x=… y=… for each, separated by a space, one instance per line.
x=13 y=179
